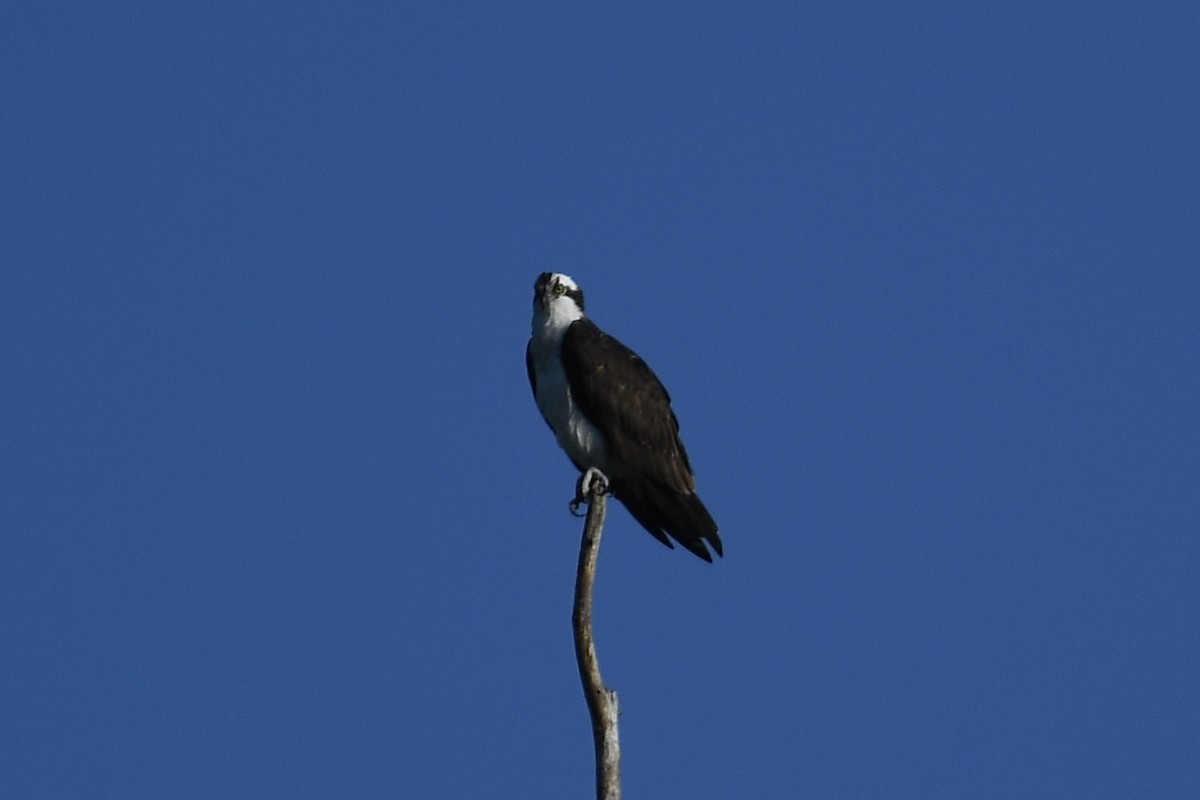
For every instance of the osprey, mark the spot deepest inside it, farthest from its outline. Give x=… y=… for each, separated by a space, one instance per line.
x=611 y=415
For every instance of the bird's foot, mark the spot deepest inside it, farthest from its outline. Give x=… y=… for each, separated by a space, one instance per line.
x=592 y=480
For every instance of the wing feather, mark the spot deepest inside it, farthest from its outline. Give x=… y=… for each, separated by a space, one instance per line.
x=623 y=397
x=529 y=370
x=619 y=393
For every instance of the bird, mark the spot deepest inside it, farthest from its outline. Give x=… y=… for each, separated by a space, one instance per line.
x=613 y=417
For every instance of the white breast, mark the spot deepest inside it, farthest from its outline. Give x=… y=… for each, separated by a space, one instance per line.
x=581 y=440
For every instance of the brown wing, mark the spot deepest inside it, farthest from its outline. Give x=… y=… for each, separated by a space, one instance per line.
x=652 y=476
x=623 y=397
x=529 y=368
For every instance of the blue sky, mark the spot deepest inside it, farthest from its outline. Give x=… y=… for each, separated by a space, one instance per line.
x=279 y=517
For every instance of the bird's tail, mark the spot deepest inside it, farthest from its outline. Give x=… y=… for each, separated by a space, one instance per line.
x=668 y=515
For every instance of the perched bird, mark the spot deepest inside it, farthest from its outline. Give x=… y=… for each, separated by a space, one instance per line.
x=612 y=416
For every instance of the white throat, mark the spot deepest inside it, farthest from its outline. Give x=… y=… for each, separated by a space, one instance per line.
x=552 y=322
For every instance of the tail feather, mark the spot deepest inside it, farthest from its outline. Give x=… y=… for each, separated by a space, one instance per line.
x=671 y=515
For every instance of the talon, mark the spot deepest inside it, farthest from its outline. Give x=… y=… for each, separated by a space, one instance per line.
x=592 y=479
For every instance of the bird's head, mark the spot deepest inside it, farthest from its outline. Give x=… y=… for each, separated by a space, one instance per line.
x=556 y=296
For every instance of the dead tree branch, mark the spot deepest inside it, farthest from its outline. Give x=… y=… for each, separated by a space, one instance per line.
x=601 y=701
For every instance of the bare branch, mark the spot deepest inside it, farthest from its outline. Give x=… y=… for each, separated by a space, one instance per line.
x=601 y=701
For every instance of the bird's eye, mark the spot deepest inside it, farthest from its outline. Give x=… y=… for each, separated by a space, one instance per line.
x=559 y=288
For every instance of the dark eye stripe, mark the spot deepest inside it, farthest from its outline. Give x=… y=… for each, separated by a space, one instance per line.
x=577 y=296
